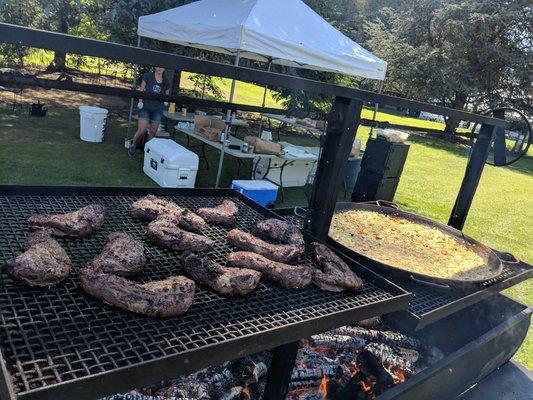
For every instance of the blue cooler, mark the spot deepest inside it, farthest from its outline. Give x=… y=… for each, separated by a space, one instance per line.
x=262 y=192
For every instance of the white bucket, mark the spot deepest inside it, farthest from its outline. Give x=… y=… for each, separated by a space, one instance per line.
x=92 y=123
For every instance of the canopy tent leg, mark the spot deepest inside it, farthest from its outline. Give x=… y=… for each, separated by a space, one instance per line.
x=265 y=95
x=228 y=124
x=376 y=107
x=132 y=99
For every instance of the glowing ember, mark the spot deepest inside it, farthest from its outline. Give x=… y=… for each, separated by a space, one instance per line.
x=366 y=388
x=323 y=388
x=397 y=375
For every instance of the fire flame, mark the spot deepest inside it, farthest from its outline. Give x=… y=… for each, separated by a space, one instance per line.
x=323 y=388
x=366 y=388
x=246 y=392
x=397 y=375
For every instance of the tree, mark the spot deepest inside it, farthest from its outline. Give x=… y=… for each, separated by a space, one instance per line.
x=205 y=84
x=61 y=16
x=18 y=12
x=456 y=53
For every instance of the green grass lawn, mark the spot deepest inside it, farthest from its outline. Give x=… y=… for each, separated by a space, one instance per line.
x=48 y=151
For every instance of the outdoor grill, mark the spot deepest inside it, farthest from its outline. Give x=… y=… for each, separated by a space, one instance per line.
x=62 y=343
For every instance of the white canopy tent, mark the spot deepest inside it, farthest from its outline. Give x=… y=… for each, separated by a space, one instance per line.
x=284 y=32
x=288 y=32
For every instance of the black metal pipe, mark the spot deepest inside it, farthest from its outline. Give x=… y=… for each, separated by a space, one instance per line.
x=500 y=157
x=473 y=172
x=342 y=127
x=22 y=80
x=23 y=36
x=280 y=371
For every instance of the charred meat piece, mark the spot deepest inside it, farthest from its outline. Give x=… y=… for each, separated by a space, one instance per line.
x=224 y=280
x=77 y=224
x=276 y=252
x=150 y=207
x=224 y=214
x=335 y=275
x=44 y=263
x=165 y=232
x=122 y=255
x=170 y=297
x=278 y=231
x=288 y=276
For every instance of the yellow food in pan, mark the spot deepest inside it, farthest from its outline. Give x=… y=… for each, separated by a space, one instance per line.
x=408 y=245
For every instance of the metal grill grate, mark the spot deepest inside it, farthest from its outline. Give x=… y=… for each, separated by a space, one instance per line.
x=428 y=305
x=61 y=334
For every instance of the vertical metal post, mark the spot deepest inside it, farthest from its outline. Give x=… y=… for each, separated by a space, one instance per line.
x=474 y=168
x=343 y=122
x=376 y=106
x=228 y=124
x=280 y=371
x=500 y=157
x=130 y=116
x=264 y=97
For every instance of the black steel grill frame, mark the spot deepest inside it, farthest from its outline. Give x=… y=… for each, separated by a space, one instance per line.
x=429 y=304
x=62 y=343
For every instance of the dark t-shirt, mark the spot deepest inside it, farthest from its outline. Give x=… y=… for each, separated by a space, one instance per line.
x=152 y=86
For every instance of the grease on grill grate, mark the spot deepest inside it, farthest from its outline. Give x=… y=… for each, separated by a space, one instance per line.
x=57 y=335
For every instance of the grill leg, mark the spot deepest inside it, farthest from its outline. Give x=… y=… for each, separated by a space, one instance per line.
x=342 y=127
x=474 y=168
x=280 y=371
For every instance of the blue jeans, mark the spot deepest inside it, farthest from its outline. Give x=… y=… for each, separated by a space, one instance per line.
x=151 y=115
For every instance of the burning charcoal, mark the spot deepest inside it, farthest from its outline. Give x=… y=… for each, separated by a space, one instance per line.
x=372 y=366
x=235 y=393
x=308 y=383
x=338 y=341
x=408 y=354
x=387 y=355
x=300 y=374
x=370 y=335
x=353 y=390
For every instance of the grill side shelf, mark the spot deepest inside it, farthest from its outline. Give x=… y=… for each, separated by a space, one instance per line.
x=62 y=342
x=430 y=305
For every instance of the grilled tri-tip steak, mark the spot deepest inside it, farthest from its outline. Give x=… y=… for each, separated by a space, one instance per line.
x=169 y=297
x=224 y=214
x=165 y=232
x=335 y=275
x=44 y=263
x=277 y=252
x=278 y=231
x=122 y=255
x=150 y=207
x=288 y=276
x=224 y=280
x=76 y=224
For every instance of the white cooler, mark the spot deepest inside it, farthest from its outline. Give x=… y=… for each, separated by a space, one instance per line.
x=170 y=164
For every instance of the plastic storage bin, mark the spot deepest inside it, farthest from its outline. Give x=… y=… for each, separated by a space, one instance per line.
x=170 y=164
x=262 y=192
x=92 y=123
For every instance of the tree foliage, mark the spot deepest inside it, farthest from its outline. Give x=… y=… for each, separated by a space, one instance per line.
x=205 y=85
x=457 y=53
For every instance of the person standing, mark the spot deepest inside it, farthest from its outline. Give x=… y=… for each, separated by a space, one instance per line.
x=150 y=111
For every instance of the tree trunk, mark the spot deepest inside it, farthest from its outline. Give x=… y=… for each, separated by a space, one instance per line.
x=59 y=62
x=458 y=103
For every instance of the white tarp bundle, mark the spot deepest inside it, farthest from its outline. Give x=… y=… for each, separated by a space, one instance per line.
x=287 y=31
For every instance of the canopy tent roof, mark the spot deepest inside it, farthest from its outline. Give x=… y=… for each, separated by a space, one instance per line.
x=287 y=32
